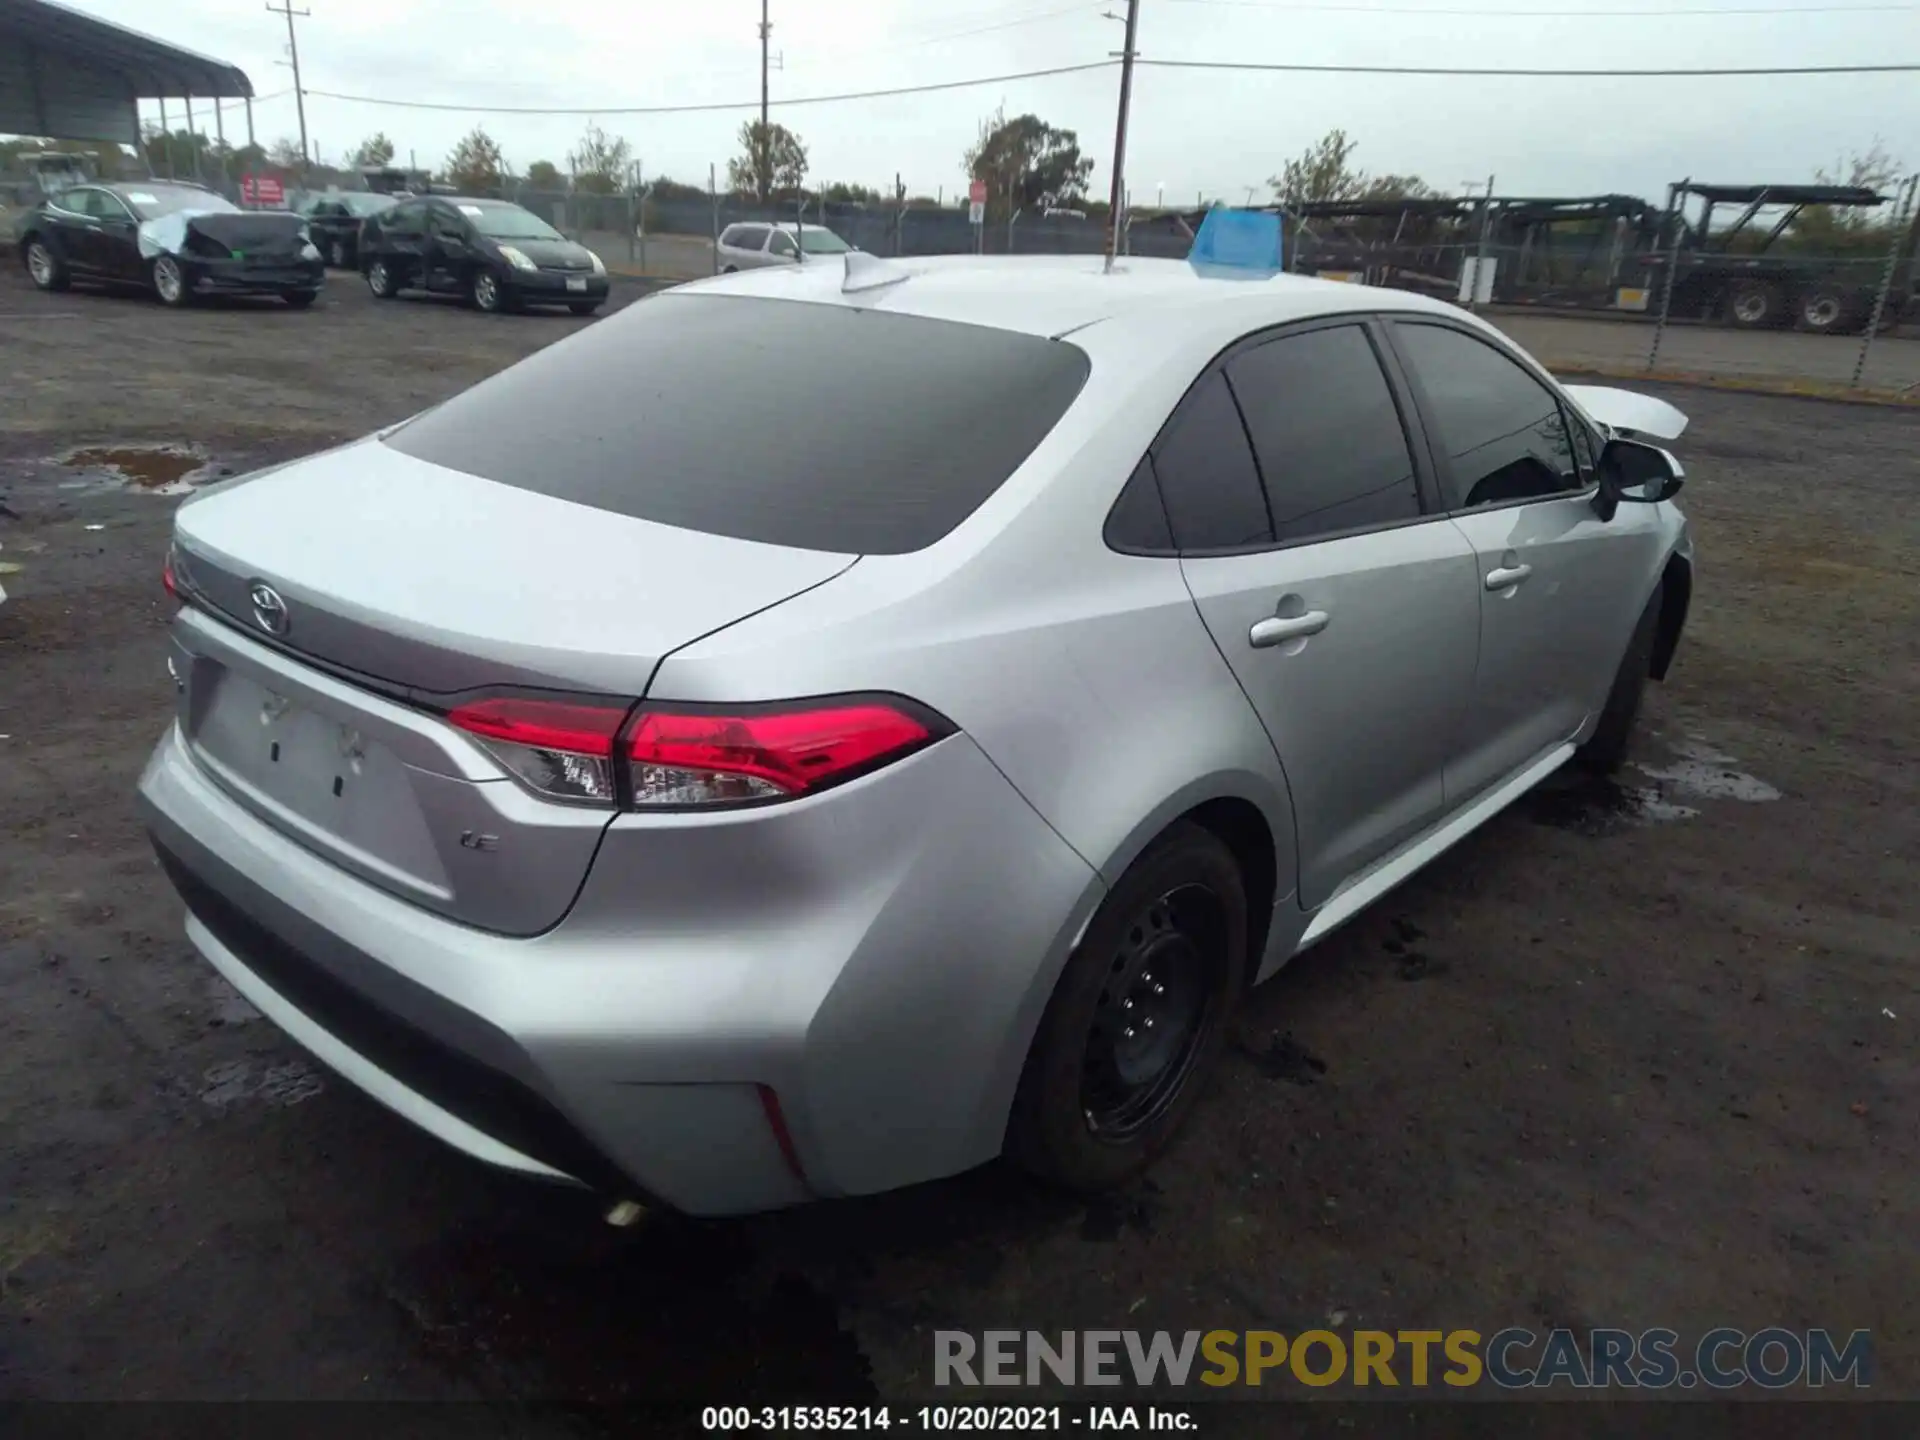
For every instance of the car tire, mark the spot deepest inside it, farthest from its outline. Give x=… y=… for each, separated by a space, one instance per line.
x=729 y=269
x=1754 y=306
x=1826 y=310
x=486 y=292
x=1606 y=749
x=381 y=282
x=44 y=266
x=301 y=299
x=583 y=307
x=169 y=280
x=1101 y=1096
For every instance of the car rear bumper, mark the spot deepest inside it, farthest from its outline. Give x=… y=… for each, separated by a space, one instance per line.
x=877 y=958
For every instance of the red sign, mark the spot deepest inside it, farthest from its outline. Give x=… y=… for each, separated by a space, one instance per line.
x=262 y=190
x=977 y=193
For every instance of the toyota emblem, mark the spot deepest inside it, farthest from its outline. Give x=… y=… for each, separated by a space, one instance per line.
x=269 y=610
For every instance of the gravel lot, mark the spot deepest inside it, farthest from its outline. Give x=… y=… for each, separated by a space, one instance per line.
x=1631 y=1056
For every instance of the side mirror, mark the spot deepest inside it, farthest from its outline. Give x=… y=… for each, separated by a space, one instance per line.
x=1633 y=472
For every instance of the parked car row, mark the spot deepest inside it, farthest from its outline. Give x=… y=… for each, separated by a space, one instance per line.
x=182 y=242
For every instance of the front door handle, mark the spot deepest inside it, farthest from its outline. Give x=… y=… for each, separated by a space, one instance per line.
x=1505 y=577
x=1277 y=630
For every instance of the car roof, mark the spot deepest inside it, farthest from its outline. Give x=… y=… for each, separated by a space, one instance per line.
x=1053 y=295
x=123 y=187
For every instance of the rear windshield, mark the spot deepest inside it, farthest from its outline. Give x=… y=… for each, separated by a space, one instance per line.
x=788 y=422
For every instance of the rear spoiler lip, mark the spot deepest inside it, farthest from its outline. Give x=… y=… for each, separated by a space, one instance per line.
x=1628 y=410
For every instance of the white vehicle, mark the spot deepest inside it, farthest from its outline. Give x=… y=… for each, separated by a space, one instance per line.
x=753 y=246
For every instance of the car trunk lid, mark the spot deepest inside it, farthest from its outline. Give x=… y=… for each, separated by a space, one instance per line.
x=338 y=606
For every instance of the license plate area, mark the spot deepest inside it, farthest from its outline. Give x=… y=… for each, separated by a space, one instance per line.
x=321 y=778
x=577 y=283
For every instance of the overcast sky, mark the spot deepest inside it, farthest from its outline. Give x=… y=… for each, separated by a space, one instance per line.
x=1192 y=132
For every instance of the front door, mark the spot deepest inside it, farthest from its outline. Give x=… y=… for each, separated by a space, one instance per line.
x=449 y=250
x=1345 y=609
x=1560 y=588
x=119 y=253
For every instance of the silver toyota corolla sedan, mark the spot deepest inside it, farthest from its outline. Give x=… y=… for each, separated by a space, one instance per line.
x=819 y=730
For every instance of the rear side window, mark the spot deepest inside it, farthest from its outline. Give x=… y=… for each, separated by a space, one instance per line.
x=1207 y=475
x=1504 y=434
x=1326 y=433
x=787 y=422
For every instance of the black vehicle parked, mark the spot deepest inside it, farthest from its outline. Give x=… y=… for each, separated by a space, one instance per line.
x=334 y=220
x=177 y=240
x=493 y=253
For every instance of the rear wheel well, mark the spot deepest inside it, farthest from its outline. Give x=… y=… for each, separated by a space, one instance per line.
x=1239 y=825
x=1676 y=591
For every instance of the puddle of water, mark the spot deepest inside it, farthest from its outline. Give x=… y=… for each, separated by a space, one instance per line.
x=1708 y=774
x=161 y=469
x=235 y=1082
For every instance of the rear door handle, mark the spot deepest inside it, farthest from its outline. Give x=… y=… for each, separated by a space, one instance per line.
x=1277 y=630
x=1506 y=576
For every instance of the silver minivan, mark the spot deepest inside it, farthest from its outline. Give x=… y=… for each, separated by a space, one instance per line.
x=753 y=246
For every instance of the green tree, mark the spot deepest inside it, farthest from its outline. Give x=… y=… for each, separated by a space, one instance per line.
x=600 y=162
x=1027 y=164
x=545 y=175
x=376 y=149
x=772 y=163
x=285 y=154
x=841 y=193
x=476 y=164
x=1848 y=227
x=1325 y=171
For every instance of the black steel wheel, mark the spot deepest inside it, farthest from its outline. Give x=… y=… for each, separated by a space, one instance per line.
x=1152 y=1013
x=1137 y=1017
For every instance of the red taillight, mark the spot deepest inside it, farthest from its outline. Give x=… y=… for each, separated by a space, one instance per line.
x=562 y=749
x=166 y=577
x=691 y=756
x=682 y=757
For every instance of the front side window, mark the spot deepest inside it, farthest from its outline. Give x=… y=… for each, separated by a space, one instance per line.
x=782 y=243
x=1326 y=432
x=1503 y=432
x=1207 y=475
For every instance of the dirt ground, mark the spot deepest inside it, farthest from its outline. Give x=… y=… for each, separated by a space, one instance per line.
x=1637 y=1055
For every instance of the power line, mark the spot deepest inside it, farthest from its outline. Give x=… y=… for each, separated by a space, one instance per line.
x=722 y=105
x=1249 y=65
x=1696 y=73
x=1311 y=8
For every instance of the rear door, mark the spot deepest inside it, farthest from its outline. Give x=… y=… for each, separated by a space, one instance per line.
x=402 y=242
x=1344 y=604
x=1559 y=588
x=76 y=231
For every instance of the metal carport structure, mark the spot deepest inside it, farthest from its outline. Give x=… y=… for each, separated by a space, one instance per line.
x=68 y=76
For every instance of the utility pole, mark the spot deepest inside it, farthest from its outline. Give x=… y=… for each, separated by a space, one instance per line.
x=766 y=32
x=293 y=53
x=1119 y=195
